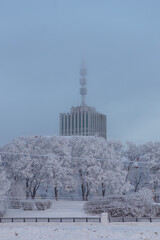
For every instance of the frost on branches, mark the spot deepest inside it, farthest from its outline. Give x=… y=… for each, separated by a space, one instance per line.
x=113 y=176
x=98 y=166
x=143 y=165
x=86 y=166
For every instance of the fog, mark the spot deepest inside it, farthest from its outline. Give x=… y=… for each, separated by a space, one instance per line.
x=42 y=45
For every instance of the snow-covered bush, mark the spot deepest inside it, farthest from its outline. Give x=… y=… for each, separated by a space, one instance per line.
x=42 y=205
x=110 y=204
x=132 y=205
x=27 y=205
x=15 y=203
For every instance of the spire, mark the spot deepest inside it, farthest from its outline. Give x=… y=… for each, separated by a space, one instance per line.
x=83 y=83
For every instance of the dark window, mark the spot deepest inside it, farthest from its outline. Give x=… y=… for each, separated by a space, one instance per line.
x=72 y=123
x=62 y=123
x=80 y=120
x=69 y=122
x=87 y=120
x=65 y=121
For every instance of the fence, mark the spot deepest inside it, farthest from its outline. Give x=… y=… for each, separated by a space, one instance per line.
x=133 y=219
x=56 y=220
x=78 y=219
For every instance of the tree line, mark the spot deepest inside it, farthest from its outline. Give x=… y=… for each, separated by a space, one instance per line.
x=86 y=165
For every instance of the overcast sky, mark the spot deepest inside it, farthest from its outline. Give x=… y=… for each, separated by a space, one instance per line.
x=42 y=44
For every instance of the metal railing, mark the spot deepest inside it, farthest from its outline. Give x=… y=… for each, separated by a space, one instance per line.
x=56 y=220
x=134 y=219
x=77 y=219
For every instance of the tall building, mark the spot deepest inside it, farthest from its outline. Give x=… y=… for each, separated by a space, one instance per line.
x=83 y=120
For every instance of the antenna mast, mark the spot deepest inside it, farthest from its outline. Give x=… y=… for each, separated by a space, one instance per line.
x=83 y=83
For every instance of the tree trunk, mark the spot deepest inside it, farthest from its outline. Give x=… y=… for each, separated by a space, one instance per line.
x=87 y=193
x=56 y=193
x=27 y=188
x=33 y=194
x=103 y=190
x=83 y=191
x=137 y=184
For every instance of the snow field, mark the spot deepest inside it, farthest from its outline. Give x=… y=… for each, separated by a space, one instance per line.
x=79 y=231
x=73 y=231
x=58 y=209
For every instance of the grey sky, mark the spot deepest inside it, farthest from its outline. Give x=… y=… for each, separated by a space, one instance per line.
x=42 y=44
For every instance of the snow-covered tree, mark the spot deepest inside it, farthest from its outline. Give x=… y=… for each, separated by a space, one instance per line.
x=153 y=159
x=113 y=177
x=138 y=164
x=60 y=174
x=87 y=168
x=24 y=164
x=99 y=166
x=33 y=161
x=87 y=165
x=4 y=188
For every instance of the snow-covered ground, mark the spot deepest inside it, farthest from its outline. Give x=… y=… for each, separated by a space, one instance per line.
x=58 y=209
x=79 y=231
x=73 y=231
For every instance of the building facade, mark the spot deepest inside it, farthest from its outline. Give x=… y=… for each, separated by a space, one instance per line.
x=83 y=120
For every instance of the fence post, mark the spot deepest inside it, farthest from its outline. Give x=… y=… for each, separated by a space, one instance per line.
x=104 y=219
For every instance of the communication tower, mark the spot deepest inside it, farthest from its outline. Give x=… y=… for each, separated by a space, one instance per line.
x=83 y=83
